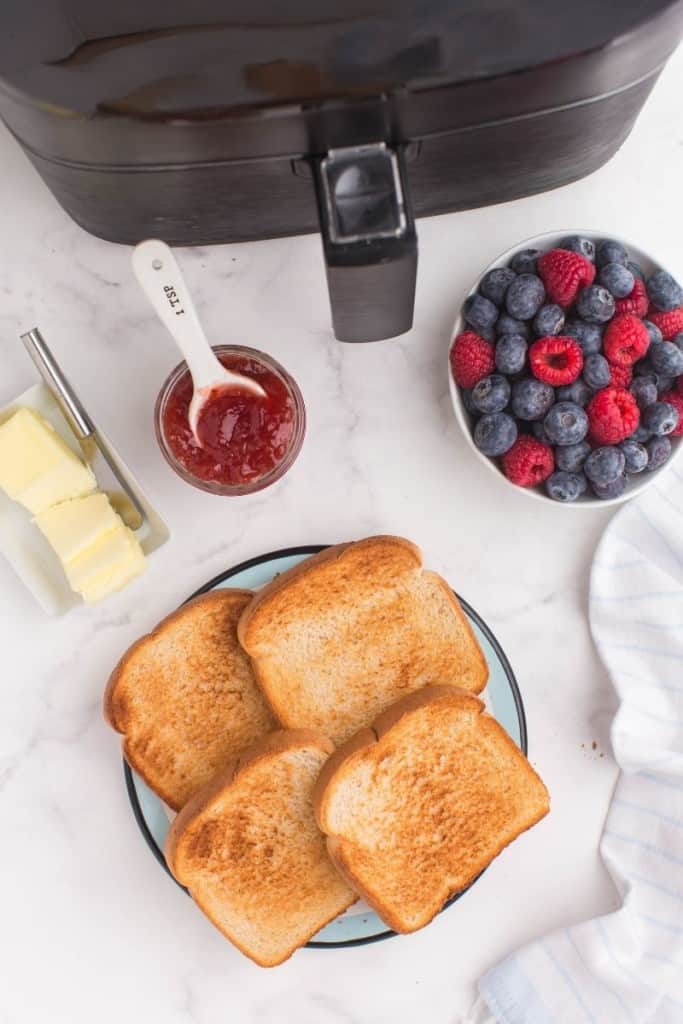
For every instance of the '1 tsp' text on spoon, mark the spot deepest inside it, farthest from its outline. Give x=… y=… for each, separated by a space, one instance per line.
x=160 y=278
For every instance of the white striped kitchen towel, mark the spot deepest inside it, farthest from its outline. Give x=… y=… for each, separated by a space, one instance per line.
x=626 y=967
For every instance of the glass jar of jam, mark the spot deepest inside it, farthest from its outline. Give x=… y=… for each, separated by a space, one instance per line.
x=248 y=441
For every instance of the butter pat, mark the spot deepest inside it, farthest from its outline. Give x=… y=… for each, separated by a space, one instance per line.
x=74 y=526
x=37 y=467
x=107 y=565
x=99 y=554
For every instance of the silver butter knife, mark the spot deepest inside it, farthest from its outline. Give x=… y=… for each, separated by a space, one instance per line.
x=102 y=461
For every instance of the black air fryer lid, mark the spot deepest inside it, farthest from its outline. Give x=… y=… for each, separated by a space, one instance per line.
x=153 y=58
x=344 y=92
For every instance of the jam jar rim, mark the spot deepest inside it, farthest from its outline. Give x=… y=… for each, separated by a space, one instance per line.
x=213 y=486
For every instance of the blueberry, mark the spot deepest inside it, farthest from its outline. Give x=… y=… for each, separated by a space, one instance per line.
x=566 y=423
x=617 y=279
x=677 y=340
x=491 y=394
x=641 y=434
x=539 y=432
x=563 y=486
x=596 y=371
x=658 y=451
x=495 y=434
x=589 y=336
x=466 y=394
x=660 y=418
x=577 y=392
x=635 y=455
x=663 y=291
x=584 y=246
x=494 y=284
x=666 y=359
x=480 y=313
x=643 y=368
x=548 y=320
x=508 y=325
x=654 y=332
x=604 y=465
x=644 y=390
x=510 y=353
x=664 y=384
x=531 y=398
x=525 y=296
x=524 y=262
x=571 y=457
x=595 y=304
x=608 y=251
x=614 y=489
x=636 y=270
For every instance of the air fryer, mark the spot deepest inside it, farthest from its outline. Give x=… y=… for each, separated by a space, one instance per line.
x=226 y=120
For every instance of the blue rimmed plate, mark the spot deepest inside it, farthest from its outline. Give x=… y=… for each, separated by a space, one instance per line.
x=359 y=924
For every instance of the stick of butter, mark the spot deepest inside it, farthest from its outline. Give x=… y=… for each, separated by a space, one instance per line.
x=76 y=525
x=99 y=554
x=108 y=566
x=37 y=467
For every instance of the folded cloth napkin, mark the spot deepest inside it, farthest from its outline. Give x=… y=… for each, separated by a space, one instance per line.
x=627 y=966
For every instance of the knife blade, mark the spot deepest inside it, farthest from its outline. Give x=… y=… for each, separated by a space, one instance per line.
x=99 y=457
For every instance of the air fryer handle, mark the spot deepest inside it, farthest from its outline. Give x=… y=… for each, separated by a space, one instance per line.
x=369 y=241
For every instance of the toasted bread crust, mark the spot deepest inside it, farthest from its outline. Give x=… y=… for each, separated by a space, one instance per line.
x=341 y=762
x=265 y=749
x=427 y=695
x=275 y=962
x=109 y=699
x=117 y=706
x=271 y=745
x=362 y=739
x=331 y=554
x=476 y=652
x=366 y=737
x=404 y=589
x=335 y=849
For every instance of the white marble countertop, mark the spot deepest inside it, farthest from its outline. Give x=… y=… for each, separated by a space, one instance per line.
x=92 y=928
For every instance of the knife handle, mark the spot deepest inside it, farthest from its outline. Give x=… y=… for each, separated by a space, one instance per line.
x=59 y=387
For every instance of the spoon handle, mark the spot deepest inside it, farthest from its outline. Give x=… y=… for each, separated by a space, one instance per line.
x=161 y=280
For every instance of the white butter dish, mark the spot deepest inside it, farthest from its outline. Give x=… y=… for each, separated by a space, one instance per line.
x=22 y=543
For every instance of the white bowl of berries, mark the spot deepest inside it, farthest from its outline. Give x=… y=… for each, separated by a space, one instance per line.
x=566 y=368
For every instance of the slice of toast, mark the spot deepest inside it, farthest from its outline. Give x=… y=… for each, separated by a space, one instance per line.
x=185 y=697
x=416 y=807
x=248 y=848
x=347 y=632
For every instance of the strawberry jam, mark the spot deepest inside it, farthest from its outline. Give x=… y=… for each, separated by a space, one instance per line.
x=244 y=437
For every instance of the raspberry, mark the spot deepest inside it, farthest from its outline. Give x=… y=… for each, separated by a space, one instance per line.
x=669 y=323
x=675 y=399
x=626 y=339
x=471 y=359
x=613 y=415
x=621 y=376
x=528 y=462
x=636 y=302
x=563 y=273
x=679 y=385
x=556 y=360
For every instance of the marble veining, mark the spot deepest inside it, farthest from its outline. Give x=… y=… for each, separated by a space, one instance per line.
x=93 y=928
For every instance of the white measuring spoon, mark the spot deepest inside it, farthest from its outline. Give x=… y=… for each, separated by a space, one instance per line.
x=162 y=282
